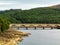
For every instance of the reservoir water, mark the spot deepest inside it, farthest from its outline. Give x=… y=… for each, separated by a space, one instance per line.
x=42 y=37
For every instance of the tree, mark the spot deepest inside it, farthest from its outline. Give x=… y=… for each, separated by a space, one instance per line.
x=4 y=24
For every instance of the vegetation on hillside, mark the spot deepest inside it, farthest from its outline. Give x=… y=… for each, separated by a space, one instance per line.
x=4 y=24
x=35 y=15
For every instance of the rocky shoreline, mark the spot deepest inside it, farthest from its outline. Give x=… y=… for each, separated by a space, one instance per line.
x=12 y=37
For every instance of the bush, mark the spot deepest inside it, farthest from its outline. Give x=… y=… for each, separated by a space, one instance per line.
x=4 y=24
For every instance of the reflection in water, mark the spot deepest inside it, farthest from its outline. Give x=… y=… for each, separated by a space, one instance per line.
x=32 y=28
x=42 y=37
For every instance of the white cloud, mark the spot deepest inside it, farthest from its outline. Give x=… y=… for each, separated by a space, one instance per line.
x=18 y=4
x=29 y=6
x=6 y=6
x=5 y=3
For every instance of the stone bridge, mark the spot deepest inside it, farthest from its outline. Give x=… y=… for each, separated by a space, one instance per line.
x=34 y=26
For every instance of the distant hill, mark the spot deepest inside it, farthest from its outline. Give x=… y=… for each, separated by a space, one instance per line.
x=56 y=6
x=34 y=15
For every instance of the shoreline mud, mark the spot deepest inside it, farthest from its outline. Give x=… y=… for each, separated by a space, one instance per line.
x=12 y=37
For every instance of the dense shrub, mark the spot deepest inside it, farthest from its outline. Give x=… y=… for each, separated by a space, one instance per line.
x=4 y=24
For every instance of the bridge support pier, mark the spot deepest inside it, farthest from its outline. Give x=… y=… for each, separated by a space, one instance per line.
x=35 y=28
x=43 y=27
x=18 y=28
x=51 y=27
x=26 y=28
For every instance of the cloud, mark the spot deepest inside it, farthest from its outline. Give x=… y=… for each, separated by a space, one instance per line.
x=29 y=6
x=5 y=3
x=6 y=6
x=25 y=4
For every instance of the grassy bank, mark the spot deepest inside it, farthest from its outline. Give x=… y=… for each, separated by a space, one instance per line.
x=11 y=37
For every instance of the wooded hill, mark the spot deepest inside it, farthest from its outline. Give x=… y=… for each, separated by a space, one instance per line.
x=35 y=15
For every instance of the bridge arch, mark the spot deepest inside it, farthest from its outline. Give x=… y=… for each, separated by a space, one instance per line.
x=31 y=26
x=22 y=26
x=47 y=26
x=39 y=26
x=13 y=26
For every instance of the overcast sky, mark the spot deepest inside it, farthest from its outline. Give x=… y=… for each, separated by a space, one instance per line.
x=26 y=4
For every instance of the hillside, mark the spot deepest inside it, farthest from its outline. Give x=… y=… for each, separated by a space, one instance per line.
x=35 y=15
x=56 y=6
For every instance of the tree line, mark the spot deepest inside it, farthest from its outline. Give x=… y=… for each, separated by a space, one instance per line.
x=35 y=15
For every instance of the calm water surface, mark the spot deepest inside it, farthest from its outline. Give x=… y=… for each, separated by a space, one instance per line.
x=42 y=37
